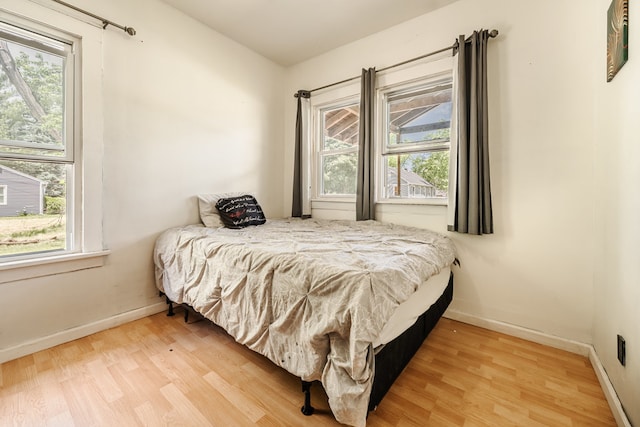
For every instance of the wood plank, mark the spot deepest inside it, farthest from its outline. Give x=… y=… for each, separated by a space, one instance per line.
x=184 y=408
x=236 y=396
x=163 y=371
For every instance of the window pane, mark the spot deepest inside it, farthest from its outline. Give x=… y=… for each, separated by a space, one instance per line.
x=31 y=99
x=340 y=127
x=420 y=117
x=417 y=176
x=339 y=173
x=33 y=218
x=338 y=157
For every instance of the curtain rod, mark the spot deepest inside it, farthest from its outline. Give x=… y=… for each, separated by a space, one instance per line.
x=105 y=22
x=492 y=34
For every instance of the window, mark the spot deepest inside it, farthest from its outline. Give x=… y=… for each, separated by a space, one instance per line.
x=57 y=150
x=412 y=131
x=337 y=151
x=37 y=140
x=415 y=141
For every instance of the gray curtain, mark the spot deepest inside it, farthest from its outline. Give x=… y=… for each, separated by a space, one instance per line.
x=297 y=204
x=472 y=193
x=365 y=196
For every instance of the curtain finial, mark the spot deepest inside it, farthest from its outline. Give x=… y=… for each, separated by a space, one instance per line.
x=302 y=94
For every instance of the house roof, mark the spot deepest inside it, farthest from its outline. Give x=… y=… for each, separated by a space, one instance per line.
x=407 y=177
x=8 y=169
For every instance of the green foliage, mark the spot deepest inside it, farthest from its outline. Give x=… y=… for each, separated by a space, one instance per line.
x=336 y=144
x=35 y=232
x=339 y=173
x=392 y=161
x=432 y=166
x=17 y=122
x=54 y=205
x=439 y=134
x=434 y=169
x=339 y=170
x=32 y=233
x=44 y=76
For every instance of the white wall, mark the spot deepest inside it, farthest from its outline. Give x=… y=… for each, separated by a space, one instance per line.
x=564 y=166
x=617 y=198
x=536 y=270
x=186 y=111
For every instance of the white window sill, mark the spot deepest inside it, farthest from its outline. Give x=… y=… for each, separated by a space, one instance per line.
x=406 y=201
x=30 y=268
x=416 y=201
x=344 y=199
x=333 y=204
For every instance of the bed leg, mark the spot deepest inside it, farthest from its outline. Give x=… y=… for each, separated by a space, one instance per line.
x=307 y=409
x=186 y=314
x=170 y=312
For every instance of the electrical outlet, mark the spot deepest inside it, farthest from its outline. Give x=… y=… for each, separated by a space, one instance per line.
x=622 y=350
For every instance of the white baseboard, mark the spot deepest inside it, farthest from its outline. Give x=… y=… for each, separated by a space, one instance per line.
x=576 y=347
x=78 y=332
x=609 y=391
x=520 y=332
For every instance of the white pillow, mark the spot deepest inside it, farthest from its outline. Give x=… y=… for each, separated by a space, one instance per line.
x=207 y=205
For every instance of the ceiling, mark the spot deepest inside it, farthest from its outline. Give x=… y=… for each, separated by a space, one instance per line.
x=291 y=31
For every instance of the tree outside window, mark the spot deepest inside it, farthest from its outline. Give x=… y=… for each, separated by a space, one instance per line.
x=36 y=145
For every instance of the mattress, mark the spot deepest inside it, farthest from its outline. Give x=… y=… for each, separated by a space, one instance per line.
x=408 y=312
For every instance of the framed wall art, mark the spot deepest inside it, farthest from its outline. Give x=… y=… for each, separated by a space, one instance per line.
x=617 y=36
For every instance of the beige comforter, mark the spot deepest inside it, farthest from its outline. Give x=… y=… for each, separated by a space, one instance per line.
x=310 y=295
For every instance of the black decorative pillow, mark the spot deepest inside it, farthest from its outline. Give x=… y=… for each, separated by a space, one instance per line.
x=241 y=211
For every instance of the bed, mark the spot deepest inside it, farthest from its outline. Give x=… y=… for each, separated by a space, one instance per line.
x=340 y=302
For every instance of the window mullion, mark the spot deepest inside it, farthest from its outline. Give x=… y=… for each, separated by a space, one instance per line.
x=35 y=157
x=337 y=147
x=445 y=145
x=33 y=40
x=341 y=151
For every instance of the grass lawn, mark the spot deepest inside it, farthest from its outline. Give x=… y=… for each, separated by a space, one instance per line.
x=31 y=233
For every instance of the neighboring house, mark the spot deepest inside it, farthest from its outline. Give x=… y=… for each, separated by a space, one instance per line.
x=20 y=193
x=411 y=185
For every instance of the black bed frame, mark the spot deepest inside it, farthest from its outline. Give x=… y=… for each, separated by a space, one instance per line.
x=394 y=356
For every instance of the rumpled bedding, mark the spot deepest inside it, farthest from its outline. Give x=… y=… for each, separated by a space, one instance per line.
x=311 y=295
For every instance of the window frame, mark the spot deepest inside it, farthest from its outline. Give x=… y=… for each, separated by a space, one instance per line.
x=4 y=196
x=325 y=97
x=59 y=44
x=438 y=76
x=89 y=249
x=436 y=67
x=44 y=39
x=405 y=91
x=317 y=110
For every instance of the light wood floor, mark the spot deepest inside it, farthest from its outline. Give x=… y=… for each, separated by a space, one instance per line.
x=159 y=371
